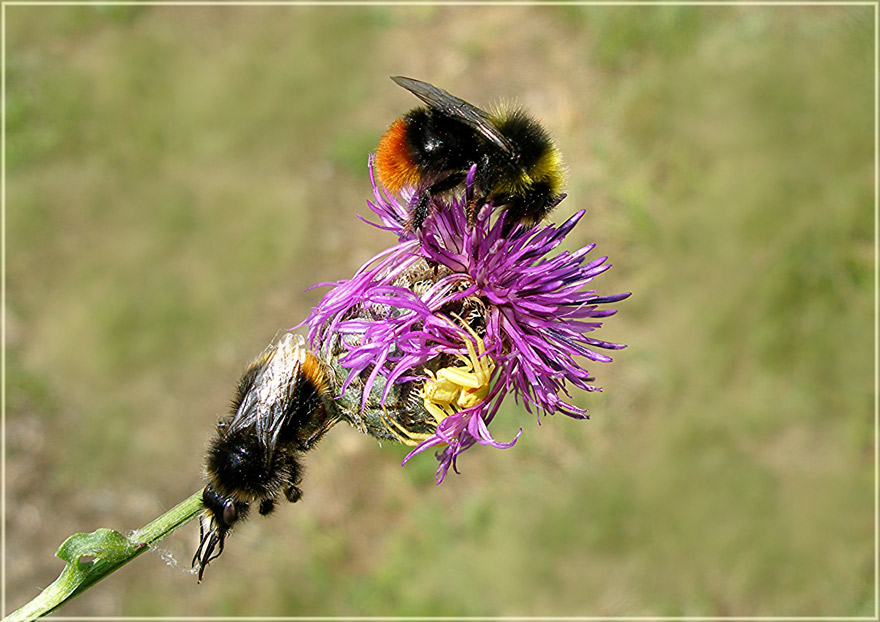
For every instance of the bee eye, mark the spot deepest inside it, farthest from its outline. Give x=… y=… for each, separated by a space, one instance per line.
x=229 y=512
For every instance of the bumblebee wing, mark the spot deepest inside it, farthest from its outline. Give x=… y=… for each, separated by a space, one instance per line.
x=457 y=108
x=249 y=413
x=265 y=390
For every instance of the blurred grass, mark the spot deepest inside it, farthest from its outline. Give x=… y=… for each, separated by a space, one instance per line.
x=177 y=176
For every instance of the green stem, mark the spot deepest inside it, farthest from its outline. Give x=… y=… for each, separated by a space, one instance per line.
x=109 y=550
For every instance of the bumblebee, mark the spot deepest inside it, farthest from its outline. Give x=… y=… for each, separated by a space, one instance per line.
x=433 y=148
x=281 y=408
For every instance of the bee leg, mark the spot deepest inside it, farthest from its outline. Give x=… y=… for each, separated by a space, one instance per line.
x=294 y=476
x=530 y=208
x=197 y=558
x=266 y=506
x=473 y=208
x=476 y=200
x=293 y=493
x=326 y=424
x=420 y=212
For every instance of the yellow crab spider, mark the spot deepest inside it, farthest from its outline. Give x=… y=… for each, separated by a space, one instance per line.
x=452 y=389
x=403 y=435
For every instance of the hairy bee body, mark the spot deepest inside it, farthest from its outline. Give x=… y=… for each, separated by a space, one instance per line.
x=432 y=148
x=282 y=407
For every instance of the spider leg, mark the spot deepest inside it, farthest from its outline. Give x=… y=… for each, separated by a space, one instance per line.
x=403 y=435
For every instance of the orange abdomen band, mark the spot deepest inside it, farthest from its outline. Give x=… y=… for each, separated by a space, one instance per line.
x=394 y=164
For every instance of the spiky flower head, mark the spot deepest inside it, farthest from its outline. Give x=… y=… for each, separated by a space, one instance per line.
x=430 y=335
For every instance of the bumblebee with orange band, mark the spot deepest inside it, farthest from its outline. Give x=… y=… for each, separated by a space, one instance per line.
x=432 y=148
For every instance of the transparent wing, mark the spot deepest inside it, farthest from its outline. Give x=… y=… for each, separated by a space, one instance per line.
x=265 y=400
x=457 y=108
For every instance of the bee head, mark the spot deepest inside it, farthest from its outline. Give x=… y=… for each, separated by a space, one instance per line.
x=221 y=513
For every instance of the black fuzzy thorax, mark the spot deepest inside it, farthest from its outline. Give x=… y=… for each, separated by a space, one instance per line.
x=439 y=144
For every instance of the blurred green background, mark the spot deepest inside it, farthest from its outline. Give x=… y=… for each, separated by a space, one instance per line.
x=177 y=176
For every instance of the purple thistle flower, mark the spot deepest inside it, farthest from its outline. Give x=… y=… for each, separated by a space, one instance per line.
x=407 y=313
